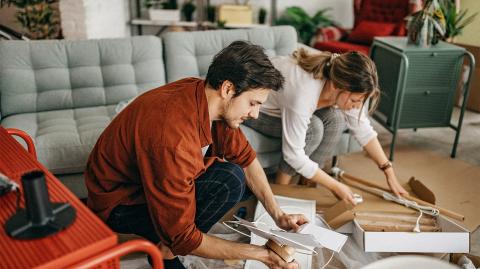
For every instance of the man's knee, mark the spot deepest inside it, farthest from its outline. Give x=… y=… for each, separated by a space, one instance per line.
x=234 y=179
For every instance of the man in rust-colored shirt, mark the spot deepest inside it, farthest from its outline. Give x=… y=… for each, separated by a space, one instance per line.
x=174 y=161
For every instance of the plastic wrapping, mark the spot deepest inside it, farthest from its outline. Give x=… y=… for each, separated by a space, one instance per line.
x=218 y=230
x=352 y=256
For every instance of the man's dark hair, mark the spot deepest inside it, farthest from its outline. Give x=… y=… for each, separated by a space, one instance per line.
x=246 y=66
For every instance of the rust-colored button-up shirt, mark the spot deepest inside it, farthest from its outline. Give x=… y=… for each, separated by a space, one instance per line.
x=152 y=152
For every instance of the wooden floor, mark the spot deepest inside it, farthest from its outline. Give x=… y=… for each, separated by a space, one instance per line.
x=424 y=154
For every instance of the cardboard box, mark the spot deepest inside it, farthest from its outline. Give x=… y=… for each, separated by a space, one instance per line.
x=475 y=259
x=339 y=214
x=452 y=239
x=235 y=14
x=473 y=101
x=164 y=14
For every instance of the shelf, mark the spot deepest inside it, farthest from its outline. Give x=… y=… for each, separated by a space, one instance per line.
x=192 y=24
x=253 y=25
x=164 y=23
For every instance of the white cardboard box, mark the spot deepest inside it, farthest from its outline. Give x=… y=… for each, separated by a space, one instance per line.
x=452 y=239
x=164 y=14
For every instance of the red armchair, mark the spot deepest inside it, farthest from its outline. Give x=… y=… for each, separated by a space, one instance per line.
x=372 y=18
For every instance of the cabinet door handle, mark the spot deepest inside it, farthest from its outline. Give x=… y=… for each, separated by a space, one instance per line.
x=434 y=54
x=427 y=92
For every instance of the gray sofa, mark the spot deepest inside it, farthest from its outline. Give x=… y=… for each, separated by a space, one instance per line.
x=64 y=93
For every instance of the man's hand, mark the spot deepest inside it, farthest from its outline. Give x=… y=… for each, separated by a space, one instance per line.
x=291 y=221
x=274 y=261
x=343 y=192
x=396 y=188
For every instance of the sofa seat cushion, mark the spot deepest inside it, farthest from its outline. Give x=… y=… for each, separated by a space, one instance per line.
x=63 y=138
x=366 y=31
x=261 y=143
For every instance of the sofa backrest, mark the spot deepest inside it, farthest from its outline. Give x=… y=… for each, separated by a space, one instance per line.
x=392 y=11
x=189 y=54
x=46 y=75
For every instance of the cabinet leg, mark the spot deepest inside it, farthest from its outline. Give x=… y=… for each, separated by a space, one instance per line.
x=455 y=143
x=392 y=145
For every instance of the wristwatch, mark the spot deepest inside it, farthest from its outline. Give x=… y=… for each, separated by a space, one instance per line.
x=385 y=166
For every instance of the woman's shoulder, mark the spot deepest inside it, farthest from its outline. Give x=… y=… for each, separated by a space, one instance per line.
x=283 y=61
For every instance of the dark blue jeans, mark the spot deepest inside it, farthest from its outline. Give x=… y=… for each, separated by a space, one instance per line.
x=219 y=189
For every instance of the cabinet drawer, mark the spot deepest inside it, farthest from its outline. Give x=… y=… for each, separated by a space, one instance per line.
x=433 y=71
x=432 y=109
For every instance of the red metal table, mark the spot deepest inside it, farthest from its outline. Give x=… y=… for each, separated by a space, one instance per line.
x=86 y=237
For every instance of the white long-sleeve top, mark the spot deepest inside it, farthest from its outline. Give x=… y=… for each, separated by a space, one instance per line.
x=295 y=105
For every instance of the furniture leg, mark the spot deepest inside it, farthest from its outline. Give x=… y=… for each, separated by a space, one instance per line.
x=464 y=102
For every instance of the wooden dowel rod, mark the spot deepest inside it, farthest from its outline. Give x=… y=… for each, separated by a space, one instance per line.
x=443 y=211
x=396 y=220
x=390 y=224
x=379 y=228
x=391 y=215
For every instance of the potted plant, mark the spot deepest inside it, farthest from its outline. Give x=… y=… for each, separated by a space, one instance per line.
x=305 y=25
x=187 y=9
x=162 y=10
x=211 y=10
x=427 y=26
x=262 y=15
x=455 y=19
x=38 y=17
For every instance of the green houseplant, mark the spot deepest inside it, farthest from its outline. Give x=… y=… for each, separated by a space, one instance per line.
x=262 y=15
x=427 y=25
x=187 y=9
x=211 y=10
x=39 y=18
x=305 y=25
x=455 y=20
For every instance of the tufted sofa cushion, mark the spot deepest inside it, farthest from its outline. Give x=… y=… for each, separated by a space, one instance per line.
x=190 y=53
x=44 y=75
x=389 y=13
x=392 y=11
x=64 y=93
x=63 y=138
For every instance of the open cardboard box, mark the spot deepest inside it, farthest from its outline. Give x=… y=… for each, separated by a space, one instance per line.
x=453 y=238
x=475 y=259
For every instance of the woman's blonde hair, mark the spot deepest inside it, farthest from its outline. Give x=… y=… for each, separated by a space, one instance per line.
x=351 y=71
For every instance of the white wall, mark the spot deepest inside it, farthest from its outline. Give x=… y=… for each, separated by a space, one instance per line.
x=87 y=19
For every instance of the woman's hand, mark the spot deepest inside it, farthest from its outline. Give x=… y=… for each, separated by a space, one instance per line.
x=291 y=221
x=343 y=192
x=396 y=188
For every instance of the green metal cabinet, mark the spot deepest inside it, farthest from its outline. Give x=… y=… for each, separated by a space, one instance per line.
x=418 y=85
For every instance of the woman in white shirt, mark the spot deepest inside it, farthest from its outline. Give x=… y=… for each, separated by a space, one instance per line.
x=322 y=93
